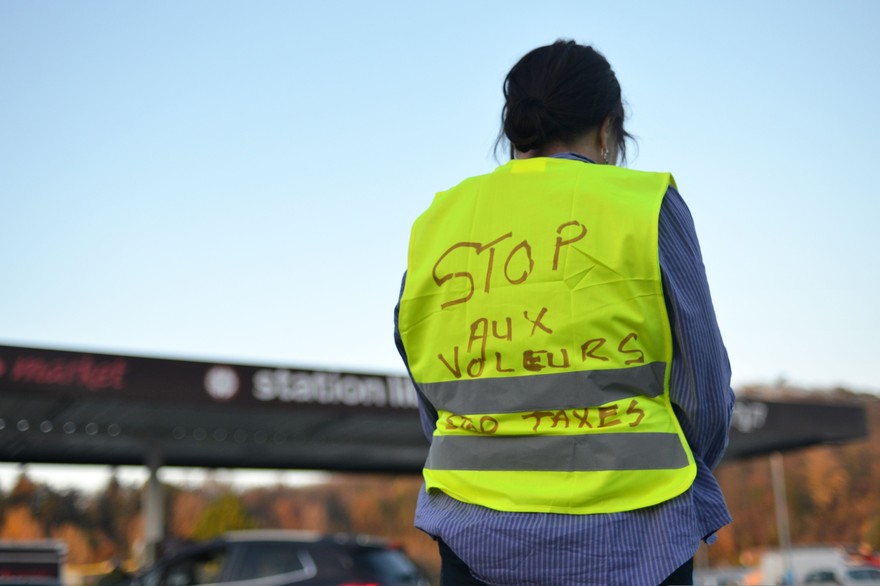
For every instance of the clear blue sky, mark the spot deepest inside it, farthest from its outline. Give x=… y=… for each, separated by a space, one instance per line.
x=236 y=180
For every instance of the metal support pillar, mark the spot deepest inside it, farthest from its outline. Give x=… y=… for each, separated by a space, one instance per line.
x=780 y=499
x=152 y=504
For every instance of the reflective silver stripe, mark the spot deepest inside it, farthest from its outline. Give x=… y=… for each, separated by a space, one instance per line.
x=561 y=453
x=564 y=390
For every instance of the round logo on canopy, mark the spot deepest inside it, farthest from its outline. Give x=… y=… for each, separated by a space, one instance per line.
x=221 y=382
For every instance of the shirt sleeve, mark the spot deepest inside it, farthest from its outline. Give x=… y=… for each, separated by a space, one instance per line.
x=700 y=381
x=427 y=412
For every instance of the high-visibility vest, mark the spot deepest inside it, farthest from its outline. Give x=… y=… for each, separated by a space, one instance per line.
x=534 y=322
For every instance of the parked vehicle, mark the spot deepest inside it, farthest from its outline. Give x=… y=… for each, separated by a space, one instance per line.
x=844 y=576
x=793 y=566
x=721 y=576
x=35 y=563
x=285 y=558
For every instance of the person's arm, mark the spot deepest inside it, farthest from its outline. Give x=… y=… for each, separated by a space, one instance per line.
x=427 y=413
x=700 y=382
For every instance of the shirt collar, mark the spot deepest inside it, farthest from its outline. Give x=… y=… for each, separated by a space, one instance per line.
x=572 y=156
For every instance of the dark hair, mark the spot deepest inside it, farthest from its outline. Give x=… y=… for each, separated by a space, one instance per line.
x=560 y=92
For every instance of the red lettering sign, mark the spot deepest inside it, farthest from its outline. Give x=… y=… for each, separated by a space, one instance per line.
x=84 y=372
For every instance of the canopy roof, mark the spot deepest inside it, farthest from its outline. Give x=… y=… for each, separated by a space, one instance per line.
x=89 y=408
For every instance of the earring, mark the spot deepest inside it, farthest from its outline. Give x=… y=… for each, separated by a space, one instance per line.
x=605 y=154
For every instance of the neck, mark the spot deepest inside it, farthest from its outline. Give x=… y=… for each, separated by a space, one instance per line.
x=588 y=146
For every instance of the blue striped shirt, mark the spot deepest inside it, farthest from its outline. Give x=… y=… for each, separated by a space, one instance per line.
x=640 y=547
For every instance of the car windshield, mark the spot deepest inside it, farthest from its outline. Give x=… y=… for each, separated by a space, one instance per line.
x=202 y=567
x=263 y=559
x=821 y=577
x=386 y=563
x=864 y=574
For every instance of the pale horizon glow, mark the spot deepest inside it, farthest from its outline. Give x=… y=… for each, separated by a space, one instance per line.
x=89 y=478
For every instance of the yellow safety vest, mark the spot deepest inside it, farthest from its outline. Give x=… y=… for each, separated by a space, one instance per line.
x=534 y=322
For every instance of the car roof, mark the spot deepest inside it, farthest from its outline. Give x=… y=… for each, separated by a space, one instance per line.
x=302 y=537
x=272 y=535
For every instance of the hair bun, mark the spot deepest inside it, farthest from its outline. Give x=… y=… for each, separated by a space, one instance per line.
x=527 y=123
x=532 y=103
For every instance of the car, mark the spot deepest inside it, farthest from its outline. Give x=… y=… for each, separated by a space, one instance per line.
x=282 y=558
x=31 y=563
x=845 y=576
x=721 y=576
